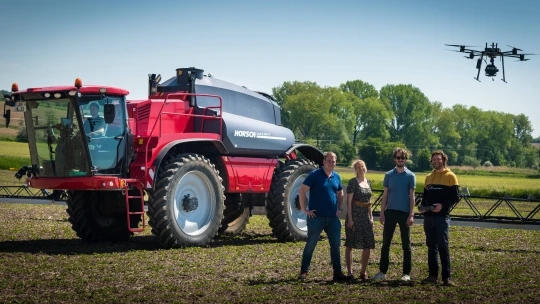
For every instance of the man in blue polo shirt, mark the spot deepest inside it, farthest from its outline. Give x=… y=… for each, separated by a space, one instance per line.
x=324 y=206
x=397 y=207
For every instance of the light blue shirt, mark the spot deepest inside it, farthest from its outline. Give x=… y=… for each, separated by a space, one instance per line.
x=399 y=185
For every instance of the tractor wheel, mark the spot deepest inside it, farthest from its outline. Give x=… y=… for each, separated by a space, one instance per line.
x=99 y=215
x=287 y=220
x=237 y=213
x=186 y=207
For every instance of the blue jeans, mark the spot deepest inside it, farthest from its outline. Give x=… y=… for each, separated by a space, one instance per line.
x=315 y=226
x=437 y=230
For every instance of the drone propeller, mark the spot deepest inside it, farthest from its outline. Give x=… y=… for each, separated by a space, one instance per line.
x=458 y=45
x=517 y=49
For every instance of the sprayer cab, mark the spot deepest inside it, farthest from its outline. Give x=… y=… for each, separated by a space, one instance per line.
x=73 y=131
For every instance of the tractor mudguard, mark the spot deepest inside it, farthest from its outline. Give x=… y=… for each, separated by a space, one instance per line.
x=309 y=151
x=161 y=155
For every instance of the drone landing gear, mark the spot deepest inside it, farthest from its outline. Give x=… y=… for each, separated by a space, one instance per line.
x=504 y=78
x=479 y=67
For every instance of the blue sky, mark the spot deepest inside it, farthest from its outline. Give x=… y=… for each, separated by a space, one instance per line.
x=261 y=44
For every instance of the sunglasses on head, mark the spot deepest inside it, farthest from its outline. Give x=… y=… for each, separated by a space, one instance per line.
x=401 y=157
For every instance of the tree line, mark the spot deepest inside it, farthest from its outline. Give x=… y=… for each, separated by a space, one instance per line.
x=2 y=93
x=356 y=120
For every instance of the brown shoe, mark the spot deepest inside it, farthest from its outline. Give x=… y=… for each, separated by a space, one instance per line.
x=302 y=276
x=364 y=277
x=429 y=280
x=448 y=282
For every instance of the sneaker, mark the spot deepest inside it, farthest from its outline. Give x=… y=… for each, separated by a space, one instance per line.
x=379 y=277
x=405 y=278
x=302 y=276
x=448 y=282
x=429 y=280
x=338 y=276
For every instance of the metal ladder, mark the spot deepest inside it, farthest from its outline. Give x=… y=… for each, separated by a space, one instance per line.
x=137 y=184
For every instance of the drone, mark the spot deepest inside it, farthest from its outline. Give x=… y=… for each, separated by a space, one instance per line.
x=490 y=52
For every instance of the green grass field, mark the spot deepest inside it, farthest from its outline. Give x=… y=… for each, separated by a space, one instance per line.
x=13 y=155
x=16 y=154
x=41 y=260
x=477 y=184
x=18 y=149
x=470 y=181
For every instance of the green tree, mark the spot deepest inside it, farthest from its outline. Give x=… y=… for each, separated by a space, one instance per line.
x=2 y=93
x=422 y=159
x=348 y=152
x=310 y=113
x=445 y=127
x=468 y=151
x=522 y=129
x=468 y=125
x=412 y=122
x=290 y=88
x=372 y=120
x=471 y=161
x=495 y=135
x=452 y=157
x=360 y=89
x=377 y=154
x=341 y=105
x=330 y=146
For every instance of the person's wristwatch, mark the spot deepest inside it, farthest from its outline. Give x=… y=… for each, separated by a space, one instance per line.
x=340 y=209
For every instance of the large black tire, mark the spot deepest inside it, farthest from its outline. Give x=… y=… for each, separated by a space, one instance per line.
x=186 y=207
x=100 y=215
x=288 y=222
x=237 y=213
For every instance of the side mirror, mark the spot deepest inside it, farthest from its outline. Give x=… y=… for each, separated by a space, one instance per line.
x=108 y=112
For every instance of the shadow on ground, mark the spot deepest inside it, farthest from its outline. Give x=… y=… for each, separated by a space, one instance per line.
x=137 y=243
x=388 y=283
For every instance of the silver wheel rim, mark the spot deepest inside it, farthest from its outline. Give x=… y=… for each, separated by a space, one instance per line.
x=299 y=218
x=194 y=222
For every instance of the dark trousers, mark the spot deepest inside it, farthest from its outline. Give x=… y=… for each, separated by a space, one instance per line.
x=391 y=219
x=437 y=230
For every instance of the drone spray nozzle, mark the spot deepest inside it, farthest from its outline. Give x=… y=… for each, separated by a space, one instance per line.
x=24 y=170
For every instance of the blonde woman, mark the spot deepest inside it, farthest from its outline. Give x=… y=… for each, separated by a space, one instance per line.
x=359 y=221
